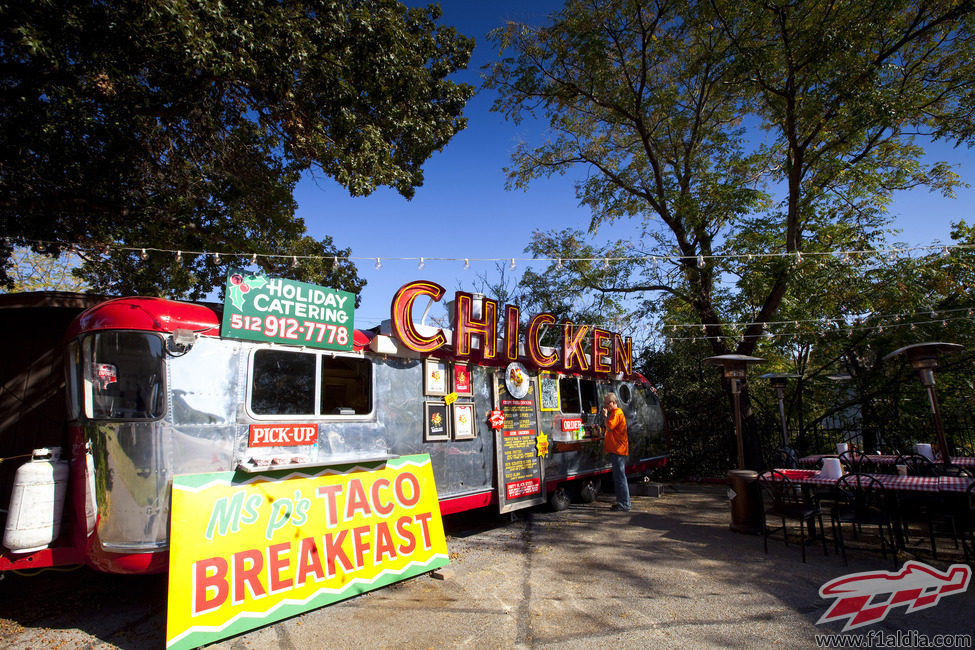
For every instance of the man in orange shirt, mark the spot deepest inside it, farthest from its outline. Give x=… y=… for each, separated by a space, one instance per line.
x=616 y=444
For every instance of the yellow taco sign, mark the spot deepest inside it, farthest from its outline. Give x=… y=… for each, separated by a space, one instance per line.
x=248 y=550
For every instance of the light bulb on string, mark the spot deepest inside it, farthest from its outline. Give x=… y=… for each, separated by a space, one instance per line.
x=700 y=261
x=143 y=255
x=294 y=261
x=558 y=265
x=379 y=264
x=606 y=263
x=179 y=257
x=216 y=258
x=335 y=262
x=467 y=264
x=254 y=258
x=421 y=264
x=512 y=264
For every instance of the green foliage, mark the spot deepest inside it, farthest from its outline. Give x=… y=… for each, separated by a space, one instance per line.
x=30 y=271
x=733 y=226
x=186 y=124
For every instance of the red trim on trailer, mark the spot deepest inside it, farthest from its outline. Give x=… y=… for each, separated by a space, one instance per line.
x=149 y=314
x=42 y=559
x=469 y=502
x=125 y=563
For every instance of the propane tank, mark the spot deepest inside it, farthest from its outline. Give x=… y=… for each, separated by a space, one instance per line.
x=37 y=502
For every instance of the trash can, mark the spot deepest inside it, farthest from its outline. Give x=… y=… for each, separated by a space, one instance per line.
x=745 y=495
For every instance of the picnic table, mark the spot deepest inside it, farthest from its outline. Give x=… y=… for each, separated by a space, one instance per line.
x=896 y=484
x=887 y=459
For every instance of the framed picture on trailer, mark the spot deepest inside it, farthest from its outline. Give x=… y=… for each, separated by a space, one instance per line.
x=436 y=422
x=462 y=379
x=436 y=374
x=465 y=421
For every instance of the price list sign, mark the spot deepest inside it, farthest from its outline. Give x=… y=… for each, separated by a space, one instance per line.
x=520 y=470
x=262 y=308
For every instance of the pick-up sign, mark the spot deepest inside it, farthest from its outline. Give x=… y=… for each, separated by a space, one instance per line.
x=282 y=435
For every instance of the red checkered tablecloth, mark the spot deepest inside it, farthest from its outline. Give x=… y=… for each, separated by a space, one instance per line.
x=885 y=459
x=909 y=483
x=890 y=482
x=954 y=483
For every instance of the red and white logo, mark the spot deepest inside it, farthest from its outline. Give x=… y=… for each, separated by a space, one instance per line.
x=865 y=598
x=282 y=435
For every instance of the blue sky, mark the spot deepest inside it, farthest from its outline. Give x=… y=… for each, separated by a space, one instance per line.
x=463 y=210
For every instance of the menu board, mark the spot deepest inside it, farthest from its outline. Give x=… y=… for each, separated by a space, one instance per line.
x=521 y=476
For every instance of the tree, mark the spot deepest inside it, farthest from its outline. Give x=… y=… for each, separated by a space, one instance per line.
x=185 y=126
x=651 y=99
x=30 y=271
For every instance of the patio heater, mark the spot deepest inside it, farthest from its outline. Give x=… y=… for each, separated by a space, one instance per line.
x=778 y=380
x=744 y=492
x=924 y=359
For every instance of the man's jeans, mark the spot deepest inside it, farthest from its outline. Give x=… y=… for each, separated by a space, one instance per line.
x=619 y=481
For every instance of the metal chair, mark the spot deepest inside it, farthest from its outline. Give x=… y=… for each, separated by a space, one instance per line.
x=783 y=500
x=917 y=465
x=862 y=501
x=786 y=458
x=854 y=463
x=965 y=524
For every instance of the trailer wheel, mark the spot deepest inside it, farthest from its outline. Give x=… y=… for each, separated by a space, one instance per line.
x=559 y=499
x=589 y=491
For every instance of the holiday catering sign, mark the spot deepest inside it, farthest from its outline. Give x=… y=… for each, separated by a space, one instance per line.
x=250 y=550
x=262 y=308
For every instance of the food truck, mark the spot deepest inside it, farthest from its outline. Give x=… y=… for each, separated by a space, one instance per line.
x=278 y=377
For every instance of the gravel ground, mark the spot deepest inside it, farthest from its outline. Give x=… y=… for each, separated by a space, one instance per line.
x=668 y=574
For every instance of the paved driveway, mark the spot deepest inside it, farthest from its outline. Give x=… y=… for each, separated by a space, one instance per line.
x=667 y=574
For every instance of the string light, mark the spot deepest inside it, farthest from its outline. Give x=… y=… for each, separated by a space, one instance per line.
x=379 y=264
x=558 y=267
x=467 y=264
x=216 y=258
x=421 y=264
x=179 y=256
x=798 y=256
x=606 y=263
x=294 y=261
x=144 y=255
x=858 y=324
x=512 y=264
x=700 y=261
x=335 y=262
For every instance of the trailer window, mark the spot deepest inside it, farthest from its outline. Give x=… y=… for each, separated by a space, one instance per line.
x=283 y=383
x=569 y=395
x=590 y=398
x=346 y=386
x=300 y=383
x=124 y=376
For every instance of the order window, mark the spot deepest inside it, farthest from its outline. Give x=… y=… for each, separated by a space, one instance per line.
x=302 y=383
